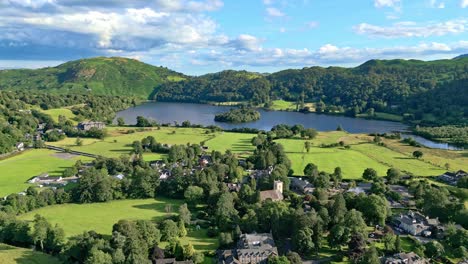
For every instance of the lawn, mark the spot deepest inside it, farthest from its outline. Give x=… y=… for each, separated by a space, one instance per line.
x=282 y=105
x=398 y=160
x=14 y=255
x=352 y=162
x=55 y=113
x=100 y=217
x=239 y=143
x=119 y=142
x=17 y=170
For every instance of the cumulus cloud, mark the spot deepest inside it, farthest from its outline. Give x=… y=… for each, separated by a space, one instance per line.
x=412 y=29
x=274 y=12
x=463 y=3
x=437 y=4
x=245 y=42
x=387 y=3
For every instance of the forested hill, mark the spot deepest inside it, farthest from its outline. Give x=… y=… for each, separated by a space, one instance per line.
x=102 y=76
x=393 y=86
x=432 y=92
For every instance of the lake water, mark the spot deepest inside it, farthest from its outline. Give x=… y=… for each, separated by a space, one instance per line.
x=204 y=115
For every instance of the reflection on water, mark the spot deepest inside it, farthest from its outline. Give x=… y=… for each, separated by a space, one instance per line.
x=204 y=115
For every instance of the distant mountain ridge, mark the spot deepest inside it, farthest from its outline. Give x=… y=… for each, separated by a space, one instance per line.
x=461 y=56
x=100 y=75
x=403 y=87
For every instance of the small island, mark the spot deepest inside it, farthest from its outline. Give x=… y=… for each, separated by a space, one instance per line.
x=239 y=115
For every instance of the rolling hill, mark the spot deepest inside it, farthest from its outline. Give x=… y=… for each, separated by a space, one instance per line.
x=103 y=76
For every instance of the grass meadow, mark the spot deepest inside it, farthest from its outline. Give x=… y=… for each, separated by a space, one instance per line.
x=17 y=170
x=100 y=217
x=15 y=255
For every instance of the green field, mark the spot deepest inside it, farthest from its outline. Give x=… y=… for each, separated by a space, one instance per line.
x=15 y=255
x=17 y=170
x=239 y=143
x=76 y=218
x=100 y=217
x=119 y=142
x=55 y=113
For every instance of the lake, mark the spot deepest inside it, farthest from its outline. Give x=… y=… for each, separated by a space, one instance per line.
x=204 y=115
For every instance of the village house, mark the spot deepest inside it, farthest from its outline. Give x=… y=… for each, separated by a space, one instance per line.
x=362 y=187
x=275 y=195
x=204 y=160
x=452 y=178
x=88 y=125
x=119 y=176
x=251 y=249
x=171 y=261
x=407 y=199
x=45 y=179
x=233 y=187
x=417 y=224
x=258 y=174
x=405 y=258
x=301 y=186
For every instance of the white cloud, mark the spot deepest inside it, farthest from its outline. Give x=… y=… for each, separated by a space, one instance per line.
x=387 y=3
x=312 y=24
x=267 y=2
x=245 y=42
x=274 y=12
x=437 y=4
x=463 y=3
x=282 y=29
x=412 y=29
x=27 y=3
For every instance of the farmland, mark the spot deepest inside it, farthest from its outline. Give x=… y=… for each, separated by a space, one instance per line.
x=12 y=255
x=17 y=170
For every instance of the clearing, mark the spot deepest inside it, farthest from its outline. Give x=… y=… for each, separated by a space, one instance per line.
x=14 y=255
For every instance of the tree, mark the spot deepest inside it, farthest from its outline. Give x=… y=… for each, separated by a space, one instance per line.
x=434 y=249
x=225 y=239
x=309 y=133
x=198 y=257
x=393 y=175
x=357 y=245
x=79 y=141
x=225 y=213
x=169 y=230
x=278 y=260
x=374 y=208
x=193 y=194
x=294 y=258
x=418 y=154
x=369 y=174
x=182 y=230
x=311 y=170
x=184 y=214
x=307 y=146
x=97 y=256
x=189 y=251
x=389 y=242
x=338 y=209
x=120 y=121
x=398 y=244
x=302 y=240
x=41 y=227
x=371 y=256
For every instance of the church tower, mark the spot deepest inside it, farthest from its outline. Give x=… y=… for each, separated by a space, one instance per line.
x=278 y=186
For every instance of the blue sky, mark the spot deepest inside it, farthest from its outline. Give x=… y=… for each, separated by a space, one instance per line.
x=200 y=36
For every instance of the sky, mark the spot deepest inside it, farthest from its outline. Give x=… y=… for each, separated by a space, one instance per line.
x=201 y=36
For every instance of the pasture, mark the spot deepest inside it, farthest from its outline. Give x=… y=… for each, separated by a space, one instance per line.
x=76 y=218
x=17 y=170
x=100 y=217
x=14 y=255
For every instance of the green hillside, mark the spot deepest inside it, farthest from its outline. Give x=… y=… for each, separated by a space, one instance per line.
x=101 y=75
